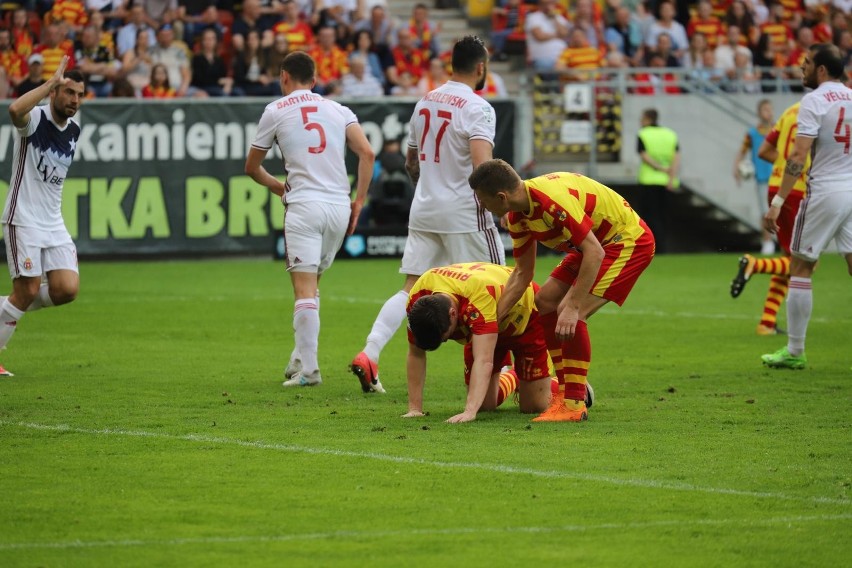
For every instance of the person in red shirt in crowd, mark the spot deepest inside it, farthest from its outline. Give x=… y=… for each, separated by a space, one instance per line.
x=406 y=59
x=332 y=62
x=71 y=12
x=23 y=37
x=804 y=40
x=13 y=68
x=704 y=22
x=778 y=32
x=578 y=57
x=56 y=45
x=740 y=16
x=424 y=32
x=298 y=32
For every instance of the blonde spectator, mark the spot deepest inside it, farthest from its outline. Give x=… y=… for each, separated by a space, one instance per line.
x=434 y=78
x=698 y=46
x=137 y=63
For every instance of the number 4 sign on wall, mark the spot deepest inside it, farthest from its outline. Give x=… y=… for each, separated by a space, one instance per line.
x=578 y=97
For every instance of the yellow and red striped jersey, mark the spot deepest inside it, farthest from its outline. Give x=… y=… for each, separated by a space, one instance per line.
x=13 y=63
x=477 y=286
x=299 y=34
x=71 y=11
x=779 y=34
x=783 y=136
x=53 y=57
x=712 y=28
x=332 y=64
x=564 y=207
x=581 y=58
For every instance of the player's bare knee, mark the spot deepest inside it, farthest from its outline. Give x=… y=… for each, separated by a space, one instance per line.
x=60 y=295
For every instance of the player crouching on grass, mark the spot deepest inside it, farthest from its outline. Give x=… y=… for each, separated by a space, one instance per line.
x=607 y=248
x=459 y=302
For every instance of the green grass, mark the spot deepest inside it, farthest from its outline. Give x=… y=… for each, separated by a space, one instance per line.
x=146 y=426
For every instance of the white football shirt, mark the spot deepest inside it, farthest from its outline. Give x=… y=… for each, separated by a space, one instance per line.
x=826 y=115
x=311 y=133
x=442 y=126
x=42 y=155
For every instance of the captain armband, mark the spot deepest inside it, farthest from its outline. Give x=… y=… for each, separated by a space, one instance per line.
x=794 y=168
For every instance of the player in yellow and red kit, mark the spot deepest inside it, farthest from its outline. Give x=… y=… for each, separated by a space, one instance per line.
x=607 y=248
x=775 y=148
x=459 y=302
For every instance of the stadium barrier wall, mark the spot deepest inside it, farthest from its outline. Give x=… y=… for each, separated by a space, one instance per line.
x=167 y=177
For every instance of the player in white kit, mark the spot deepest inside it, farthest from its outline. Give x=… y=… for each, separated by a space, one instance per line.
x=38 y=244
x=824 y=130
x=312 y=133
x=451 y=132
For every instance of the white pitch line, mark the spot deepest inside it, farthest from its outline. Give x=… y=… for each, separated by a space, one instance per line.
x=496 y=468
x=367 y=535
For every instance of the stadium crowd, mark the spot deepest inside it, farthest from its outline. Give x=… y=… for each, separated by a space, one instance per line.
x=201 y=48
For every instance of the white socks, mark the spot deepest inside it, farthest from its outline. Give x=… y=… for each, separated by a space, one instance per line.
x=42 y=299
x=9 y=316
x=800 y=302
x=307 y=325
x=294 y=355
x=387 y=322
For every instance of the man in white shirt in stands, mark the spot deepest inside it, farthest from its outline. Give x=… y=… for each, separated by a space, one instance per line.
x=824 y=131
x=451 y=132
x=359 y=82
x=312 y=133
x=547 y=35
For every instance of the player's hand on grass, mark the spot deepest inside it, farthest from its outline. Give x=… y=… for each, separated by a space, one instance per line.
x=463 y=417
x=413 y=414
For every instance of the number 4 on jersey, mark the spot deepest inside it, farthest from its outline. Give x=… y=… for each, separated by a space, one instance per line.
x=842 y=131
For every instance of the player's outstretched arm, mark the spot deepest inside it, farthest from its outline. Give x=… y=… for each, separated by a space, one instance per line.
x=358 y=143
x=416 y=370
x=19 y=110
x=518 y=281
x=569 y=307
x=480 y=376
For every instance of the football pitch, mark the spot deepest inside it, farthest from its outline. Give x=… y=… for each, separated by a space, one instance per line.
x=147 y=426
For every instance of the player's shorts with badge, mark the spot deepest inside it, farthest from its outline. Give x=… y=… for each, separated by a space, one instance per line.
x=34 y=252
x=313 y=233
x=822 y=217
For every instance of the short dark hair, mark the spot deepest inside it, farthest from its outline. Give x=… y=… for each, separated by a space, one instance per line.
x=429 y=320
x=75 y=75
x=493 y=176
x=828 y=55
x=652 y=115
x=468 y=52
x=299 y=66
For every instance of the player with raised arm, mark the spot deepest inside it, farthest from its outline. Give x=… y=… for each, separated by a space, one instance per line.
x=824 y=132
x=607 y=248
x=775 y=148
x=312 y=133
x=459 y=302
x=37 y=242
x=451 y=132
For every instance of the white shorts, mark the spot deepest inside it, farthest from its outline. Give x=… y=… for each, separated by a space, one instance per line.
x=823 y=217
x=34 y=252
x=426 y=250
x=313 y=233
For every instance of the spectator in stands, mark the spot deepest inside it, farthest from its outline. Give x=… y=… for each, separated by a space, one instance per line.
x=158 y=84
x=584 y=19
x=12 y=65
x=382 y=28
x=659 y=153
x=250 y=66
x=209 y=72
x=405 y=86
x=494 y=86
x=33 y=78
x=665 y=50
x=744 y=79
x=56 y=45
x=363 y=47
x=112 y=12
x=705 y=23
x=694 y=58
x=300 y=36
x=331 y=61
x=423 y=31
x=271 y=11
x=275 y=55
x=121 y=88
x=725 y=53
x=804 y=41
x=778 y=33
x=666 y=24
x=359 y=82
x=68 y=13
x=126 y=39
x=159 y=12
x=579 y=57
x=656 y=82
x=136 y=65
x=339 y=15
x=739 y=15
x=173 y=55
x=510 y=11
x=407 y=60
x=547 y=35
x=251 y=19
x=624 y=35
x=196 y=16
x=23 y=38
x=105 y=36
x=96 y=62
x=435 y=77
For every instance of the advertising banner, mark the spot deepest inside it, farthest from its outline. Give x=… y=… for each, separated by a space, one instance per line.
x=166 y=177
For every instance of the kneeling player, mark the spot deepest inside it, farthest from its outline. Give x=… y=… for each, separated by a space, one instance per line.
x=459 y=302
